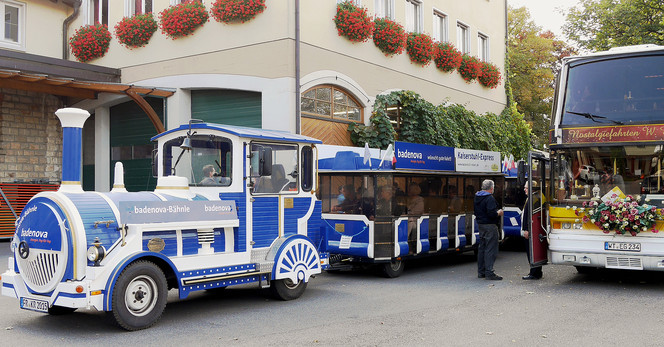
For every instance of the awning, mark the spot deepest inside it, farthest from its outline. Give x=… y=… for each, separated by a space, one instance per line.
x=69 y=87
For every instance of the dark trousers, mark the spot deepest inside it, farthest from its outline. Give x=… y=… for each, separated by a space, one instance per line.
x=535 y=271
x=487 y=249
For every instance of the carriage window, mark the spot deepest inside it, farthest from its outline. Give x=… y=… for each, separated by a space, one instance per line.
x=205 y=160
x=274 y=168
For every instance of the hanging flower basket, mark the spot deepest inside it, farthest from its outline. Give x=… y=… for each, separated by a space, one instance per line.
x=389 y=36
x=136 y=31
x=420 y=48
x=470 y=68
x=353 y=22
x=90 y=42
x=234 y=11
x=182 y=19
x=446 y=57
x=490 y=76
x=620 y=215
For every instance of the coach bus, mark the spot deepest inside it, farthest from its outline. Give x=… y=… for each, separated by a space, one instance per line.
x=597 y=197
x=421 y=204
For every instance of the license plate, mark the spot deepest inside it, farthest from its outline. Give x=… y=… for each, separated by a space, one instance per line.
x=622 y=246
x=34 y=305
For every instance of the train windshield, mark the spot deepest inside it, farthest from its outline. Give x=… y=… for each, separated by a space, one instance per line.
x=205 y=159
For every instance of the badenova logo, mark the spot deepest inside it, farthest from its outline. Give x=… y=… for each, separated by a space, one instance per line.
x=34 y=233
x=408 y=155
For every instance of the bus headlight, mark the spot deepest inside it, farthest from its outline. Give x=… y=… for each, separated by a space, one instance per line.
x=567 y=225
x=577 y=226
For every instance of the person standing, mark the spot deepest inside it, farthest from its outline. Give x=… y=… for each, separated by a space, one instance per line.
x=535 y=271
x=487 y=215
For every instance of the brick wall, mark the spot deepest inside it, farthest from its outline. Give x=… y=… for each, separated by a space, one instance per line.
x=30 y=137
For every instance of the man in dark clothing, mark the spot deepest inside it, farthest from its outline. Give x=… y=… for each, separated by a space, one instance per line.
x=487 y=215
x=535 y=271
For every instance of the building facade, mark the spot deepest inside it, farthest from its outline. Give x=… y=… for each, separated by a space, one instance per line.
x=286 y=69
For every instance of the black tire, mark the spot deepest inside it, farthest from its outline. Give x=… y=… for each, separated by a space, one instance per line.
x=585 y=270
x=139 y=296
x=60 y=310
x=393 y=269
x=287 y=290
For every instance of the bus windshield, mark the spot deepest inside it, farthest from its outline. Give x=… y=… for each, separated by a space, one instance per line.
x=615 y=91
x=581 y=173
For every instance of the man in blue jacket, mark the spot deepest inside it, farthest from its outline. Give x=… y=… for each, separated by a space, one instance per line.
x=487 y=216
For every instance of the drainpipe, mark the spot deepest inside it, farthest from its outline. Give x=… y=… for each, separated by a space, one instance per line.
x=297 y=67
x=76 y=4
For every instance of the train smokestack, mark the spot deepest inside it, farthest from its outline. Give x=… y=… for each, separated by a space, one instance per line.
x=72 y=120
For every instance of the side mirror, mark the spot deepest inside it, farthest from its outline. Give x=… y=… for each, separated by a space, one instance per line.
x=521 y=170
x=265 y=161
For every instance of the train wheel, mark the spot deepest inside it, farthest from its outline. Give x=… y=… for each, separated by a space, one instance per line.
x=139 y=297
x=287 y=290
x=394 y=268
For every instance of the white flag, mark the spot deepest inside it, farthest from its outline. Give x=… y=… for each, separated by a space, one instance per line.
x=389 y=152
x=367 y=155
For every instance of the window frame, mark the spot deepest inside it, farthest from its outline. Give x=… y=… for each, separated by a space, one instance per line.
x=396 y=121
x=463 y=37
x=441 y=20
x=384 y=9
x=414 y=20
x=19 y=44
x=483 y=46
x=130 y=7
x=357 y=3
x=98 y=12
x=332 y=117
x=177 y=2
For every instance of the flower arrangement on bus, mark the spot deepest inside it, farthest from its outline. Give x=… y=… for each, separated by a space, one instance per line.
x=622 y=215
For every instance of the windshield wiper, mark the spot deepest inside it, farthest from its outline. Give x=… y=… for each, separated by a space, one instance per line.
x=595 y=118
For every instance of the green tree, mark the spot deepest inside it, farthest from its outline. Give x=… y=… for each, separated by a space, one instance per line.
x=598 y=25
x=534 y=58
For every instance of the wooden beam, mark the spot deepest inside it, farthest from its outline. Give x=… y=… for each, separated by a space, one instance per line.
x=48 y=89
x=149 y=110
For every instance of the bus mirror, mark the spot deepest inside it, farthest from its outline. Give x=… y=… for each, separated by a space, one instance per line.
x=522 y=168
x=265 y=161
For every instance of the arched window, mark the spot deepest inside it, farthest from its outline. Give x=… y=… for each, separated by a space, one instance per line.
x=331 y=102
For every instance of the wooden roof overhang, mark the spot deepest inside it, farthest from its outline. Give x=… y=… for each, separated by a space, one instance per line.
x=70 y=87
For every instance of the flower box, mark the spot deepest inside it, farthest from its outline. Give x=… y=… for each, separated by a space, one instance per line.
x=233 y=11
x=470 y=68
x=446 y=57
x=420 y=48
x=136 y=31
x=389 y=36
x=490 y=76
x=90 y=42
x=182 y=19
x=353 y=22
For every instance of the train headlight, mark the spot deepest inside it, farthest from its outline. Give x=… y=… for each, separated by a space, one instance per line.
x=96 y=252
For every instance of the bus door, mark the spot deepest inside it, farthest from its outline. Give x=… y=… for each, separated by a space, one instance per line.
x=537 y=204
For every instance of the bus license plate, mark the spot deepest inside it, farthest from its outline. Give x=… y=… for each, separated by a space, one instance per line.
x=34 y=305
x=622 y=246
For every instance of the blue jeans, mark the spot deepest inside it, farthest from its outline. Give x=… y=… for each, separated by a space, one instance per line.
x=487 y=249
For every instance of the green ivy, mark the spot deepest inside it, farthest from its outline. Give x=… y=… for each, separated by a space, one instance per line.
x=444 y=125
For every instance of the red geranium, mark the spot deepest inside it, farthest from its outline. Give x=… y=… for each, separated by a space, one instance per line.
x=353 y=22
x=446 y=57
x=90 y=42
x=420 y=48
x=490 y=76
x=182 y=19
x=389 y=36
x=470 y=68
x=229 y=11
x=136 y=31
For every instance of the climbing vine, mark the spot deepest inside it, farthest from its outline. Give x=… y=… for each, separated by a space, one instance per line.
x=443 y=125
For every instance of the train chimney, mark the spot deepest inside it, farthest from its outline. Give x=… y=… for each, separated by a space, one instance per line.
x=72 y=120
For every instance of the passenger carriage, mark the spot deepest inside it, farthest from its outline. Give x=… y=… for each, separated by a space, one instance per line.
x=429 y=210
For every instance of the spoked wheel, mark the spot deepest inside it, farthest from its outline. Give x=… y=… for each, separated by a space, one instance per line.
x=139 y=297
x=393 y=269
x=287 y=290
